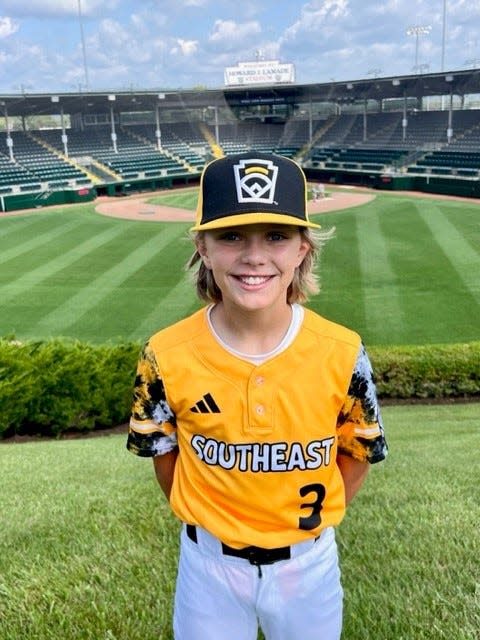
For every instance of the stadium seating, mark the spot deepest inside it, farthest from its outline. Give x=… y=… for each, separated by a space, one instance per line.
x=35 y=167
x=375 y=143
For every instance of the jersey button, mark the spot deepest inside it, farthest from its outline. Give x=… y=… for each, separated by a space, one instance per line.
x=260 y=409
x=259 y=380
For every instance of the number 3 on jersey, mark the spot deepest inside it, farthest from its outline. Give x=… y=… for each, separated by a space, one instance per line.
x=313 y=519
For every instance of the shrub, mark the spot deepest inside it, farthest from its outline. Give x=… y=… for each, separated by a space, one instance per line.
x=431 y=371
x=49 y=387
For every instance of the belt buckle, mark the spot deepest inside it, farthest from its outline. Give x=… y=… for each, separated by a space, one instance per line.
x=258 y=556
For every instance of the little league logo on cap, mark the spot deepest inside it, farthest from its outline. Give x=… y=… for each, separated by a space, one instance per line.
x=255 y=180
x=252 y=188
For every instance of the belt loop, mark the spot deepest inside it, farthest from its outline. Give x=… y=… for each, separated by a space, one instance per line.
x=191 y=530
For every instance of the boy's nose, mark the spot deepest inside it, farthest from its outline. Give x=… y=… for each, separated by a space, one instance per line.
x=254 y=251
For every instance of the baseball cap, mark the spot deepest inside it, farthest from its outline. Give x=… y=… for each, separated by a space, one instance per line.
x=252 y=188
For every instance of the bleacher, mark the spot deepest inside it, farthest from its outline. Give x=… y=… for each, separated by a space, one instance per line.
x=181 y=141
x=268 y=138
x=342 y=142
x=131 y=158
x=13 y=176
x=461 y=156
x=361 y=158
x=35 y=167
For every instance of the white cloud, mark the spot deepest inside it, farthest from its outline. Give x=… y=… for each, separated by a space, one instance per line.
x=229 y=31
x=57 y=8
x=7 y=27
x=316 y=16
x=184 y=47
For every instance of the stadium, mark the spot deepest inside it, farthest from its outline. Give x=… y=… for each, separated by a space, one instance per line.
x=88 y=550
x=418 y=132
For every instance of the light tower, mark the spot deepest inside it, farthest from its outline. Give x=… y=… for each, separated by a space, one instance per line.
x=418 y=30
x=82 y=38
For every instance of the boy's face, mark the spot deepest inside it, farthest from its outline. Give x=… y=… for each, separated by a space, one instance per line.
x=253 y=265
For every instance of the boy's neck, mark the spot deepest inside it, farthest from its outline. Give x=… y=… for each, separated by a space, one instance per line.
x=251 y=333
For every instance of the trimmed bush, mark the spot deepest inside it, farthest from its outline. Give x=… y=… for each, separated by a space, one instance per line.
x=432 y=371
x=47 y=388
x=50 y=387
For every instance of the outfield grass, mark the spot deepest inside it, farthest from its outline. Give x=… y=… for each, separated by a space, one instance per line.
x=89 y=548
x=401 y=270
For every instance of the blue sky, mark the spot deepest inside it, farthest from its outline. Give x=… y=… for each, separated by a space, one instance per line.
x=174 y=44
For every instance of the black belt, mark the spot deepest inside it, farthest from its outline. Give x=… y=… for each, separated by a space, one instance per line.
x=255 y=555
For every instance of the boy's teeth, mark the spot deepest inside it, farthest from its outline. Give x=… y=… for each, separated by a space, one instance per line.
x=254 y=280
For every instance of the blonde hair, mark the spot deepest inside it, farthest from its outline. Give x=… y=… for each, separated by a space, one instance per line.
x=305 y=281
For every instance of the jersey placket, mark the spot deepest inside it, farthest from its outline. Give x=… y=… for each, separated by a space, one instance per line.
x=259 y=402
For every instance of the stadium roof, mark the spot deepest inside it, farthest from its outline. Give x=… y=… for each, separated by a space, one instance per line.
x=456 y=82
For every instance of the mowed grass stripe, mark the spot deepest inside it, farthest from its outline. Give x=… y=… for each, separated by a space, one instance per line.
x=181 y=199
x=126 y=307
x=384 y=313
x=461 y=255
x=52 y=233
x=341 y=294
x=435 y=302
x=21 y=223
x=90 y=296
x=177 y=303
x=31 y=279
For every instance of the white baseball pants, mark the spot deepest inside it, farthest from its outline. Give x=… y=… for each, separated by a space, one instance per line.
x=221 y=597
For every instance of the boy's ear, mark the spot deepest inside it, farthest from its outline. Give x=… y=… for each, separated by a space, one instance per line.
x=303 y=251
x=202 y=250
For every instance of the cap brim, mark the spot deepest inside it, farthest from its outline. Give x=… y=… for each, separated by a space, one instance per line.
x=243 y=219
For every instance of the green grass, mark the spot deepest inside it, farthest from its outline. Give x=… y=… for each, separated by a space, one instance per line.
x=89 y=548
x=401 y=270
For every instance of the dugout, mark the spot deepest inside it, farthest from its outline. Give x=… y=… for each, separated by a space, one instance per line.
x=46 y=198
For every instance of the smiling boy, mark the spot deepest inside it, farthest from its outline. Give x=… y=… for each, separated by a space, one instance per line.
x=260 y=415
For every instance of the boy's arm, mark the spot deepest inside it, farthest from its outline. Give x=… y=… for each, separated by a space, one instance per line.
x=354 y=473
x=164 y=466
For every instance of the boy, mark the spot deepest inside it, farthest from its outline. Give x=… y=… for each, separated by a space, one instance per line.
x=260 y=415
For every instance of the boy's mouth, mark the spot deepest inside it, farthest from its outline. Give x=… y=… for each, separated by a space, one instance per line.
x=253 y=280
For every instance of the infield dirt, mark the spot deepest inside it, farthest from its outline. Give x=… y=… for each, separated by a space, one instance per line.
x=138 y=208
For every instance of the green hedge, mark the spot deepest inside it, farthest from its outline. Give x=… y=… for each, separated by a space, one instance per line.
x=50 y=387
x=432 y=371
x=47 y=388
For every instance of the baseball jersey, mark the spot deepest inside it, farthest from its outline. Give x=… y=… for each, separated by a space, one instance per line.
x=258 y=443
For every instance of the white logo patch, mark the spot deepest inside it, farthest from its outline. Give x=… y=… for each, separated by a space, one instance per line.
x=255 y=180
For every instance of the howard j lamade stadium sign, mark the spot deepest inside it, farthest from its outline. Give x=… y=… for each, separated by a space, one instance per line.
x=262 y=72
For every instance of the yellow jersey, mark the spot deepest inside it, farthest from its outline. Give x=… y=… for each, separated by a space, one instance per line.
x=257 y=444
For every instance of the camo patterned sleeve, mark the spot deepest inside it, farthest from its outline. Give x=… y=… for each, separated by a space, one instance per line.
x=152 y=429
x=359 y=425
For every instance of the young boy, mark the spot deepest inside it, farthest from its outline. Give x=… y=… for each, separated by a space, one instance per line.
x=261 y=416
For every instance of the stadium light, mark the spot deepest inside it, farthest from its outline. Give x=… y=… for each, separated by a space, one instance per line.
x=418 y=30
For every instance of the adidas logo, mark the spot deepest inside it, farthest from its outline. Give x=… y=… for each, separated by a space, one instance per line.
x=206 y=405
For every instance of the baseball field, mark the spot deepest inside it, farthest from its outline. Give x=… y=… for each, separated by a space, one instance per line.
x=401 y=270
x=89 y=548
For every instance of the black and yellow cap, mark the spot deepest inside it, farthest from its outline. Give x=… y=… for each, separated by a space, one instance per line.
x=252 y=188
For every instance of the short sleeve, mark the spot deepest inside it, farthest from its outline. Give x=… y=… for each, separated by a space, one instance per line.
x=152 y=429
x=359 y=426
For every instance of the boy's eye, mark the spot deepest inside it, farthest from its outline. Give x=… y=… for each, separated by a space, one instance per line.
x=277 y=235
x=229 y=236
